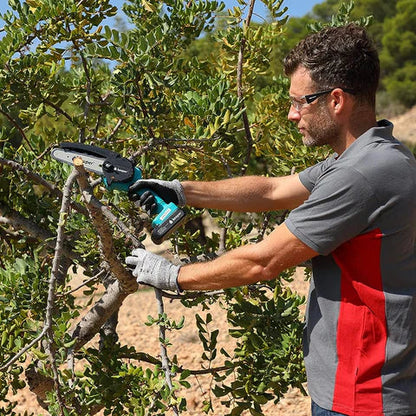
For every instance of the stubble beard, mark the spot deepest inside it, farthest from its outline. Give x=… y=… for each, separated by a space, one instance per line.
x=322 y=129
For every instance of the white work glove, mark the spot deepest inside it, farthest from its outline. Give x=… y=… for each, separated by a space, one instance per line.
x=153 y=270
x=169 y=191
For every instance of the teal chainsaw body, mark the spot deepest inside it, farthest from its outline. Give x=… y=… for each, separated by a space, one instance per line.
x=119 y=173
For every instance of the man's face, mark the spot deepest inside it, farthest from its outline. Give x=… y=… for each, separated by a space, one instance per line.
x=314 y=120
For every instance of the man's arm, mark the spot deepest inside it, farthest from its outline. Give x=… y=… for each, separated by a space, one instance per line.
x=247 y=194
x=244 y=265
x=242 y=194
x=247 y=264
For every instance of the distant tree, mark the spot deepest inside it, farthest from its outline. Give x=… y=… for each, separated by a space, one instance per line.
x=398 y=56
x=325 y=10
x=328 y=13
x=379 y=11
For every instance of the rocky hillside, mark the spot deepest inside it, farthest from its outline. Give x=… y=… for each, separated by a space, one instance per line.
x=405 y=126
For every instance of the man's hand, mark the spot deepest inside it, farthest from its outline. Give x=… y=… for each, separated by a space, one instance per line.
x=153 y=270
x=169 y=191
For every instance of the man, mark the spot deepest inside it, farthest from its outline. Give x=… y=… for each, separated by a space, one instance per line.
x=354 y=215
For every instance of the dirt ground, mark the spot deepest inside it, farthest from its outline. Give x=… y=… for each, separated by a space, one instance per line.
x=138 y=306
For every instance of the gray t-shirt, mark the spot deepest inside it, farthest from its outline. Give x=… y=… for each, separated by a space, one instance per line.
x=360 y=338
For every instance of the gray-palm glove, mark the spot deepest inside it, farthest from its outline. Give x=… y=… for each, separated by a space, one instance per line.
x=169 y=191
x=153 y=270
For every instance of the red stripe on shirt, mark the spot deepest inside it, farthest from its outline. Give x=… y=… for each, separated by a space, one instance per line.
x=362 y=328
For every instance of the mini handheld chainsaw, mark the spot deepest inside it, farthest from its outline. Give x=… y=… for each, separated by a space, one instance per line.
x=119 y=173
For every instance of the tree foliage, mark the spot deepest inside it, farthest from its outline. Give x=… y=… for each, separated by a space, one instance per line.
x=150 y=94
x=399 y=53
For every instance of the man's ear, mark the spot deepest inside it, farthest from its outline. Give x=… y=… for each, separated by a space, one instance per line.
x=338 y=100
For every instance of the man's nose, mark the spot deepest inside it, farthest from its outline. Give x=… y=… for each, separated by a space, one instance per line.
x=293 y=115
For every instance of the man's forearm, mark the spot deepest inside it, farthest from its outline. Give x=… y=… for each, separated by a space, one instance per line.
x=246 y=194
x=235 y=268
x=243 y=194
x=247 y=264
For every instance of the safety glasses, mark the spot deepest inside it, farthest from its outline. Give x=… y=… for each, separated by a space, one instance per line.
x=299 y=102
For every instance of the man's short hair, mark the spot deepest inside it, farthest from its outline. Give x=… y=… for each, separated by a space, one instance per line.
x=343 y=56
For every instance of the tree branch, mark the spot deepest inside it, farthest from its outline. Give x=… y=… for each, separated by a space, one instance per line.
x=34 y=177
x=80 y=286
x=96 y=209
x=163 y=350
x=143 y=108
x=54 y=278
x=91 y=323
x=58 y=110
x=115 y=130
x=25 y=349
x=117 y=290
x=18 y=127
x=147 y=358
x=240 y=89
x=50 y=345
x=18 y=222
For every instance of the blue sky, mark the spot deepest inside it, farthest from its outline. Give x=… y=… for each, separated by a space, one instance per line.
x=299 y=8
x=295 y=7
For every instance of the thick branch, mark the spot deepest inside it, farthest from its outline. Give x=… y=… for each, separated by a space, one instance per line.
x=110 y=302
x=117 y=290
x=127 y=281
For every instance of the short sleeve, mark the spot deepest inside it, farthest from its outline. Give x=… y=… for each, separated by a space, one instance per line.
x=339 y=208
x=310 y=175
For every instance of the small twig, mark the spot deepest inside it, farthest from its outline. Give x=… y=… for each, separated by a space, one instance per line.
x=163 y=350
x=240 y=90
x=115 y=130
x=147 y=358
x=25 y=349
x=92 y=279
x=18 y=127
x=191 y=295
x=144 y=109
x=226 y=166
x=223 y=246
x=47 y=150
x=263 y=229
x=88 y=92
x=58 y=110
